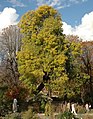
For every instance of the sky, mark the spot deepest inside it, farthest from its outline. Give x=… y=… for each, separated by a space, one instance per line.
x=77 y=15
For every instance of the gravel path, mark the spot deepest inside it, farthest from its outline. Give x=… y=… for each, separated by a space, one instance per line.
x=81 y=116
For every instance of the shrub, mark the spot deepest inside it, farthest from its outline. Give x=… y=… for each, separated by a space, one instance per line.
x=66 y=115
x=80 y=109
x=16 y=91
x=29 y=114
x=49 y=110
x=13 y=116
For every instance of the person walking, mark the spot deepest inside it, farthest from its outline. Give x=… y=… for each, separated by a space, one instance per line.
x=73 y=109
x=87 y=107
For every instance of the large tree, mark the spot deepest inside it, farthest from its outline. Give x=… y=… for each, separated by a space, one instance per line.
x=43 y=47
x=76 y=78
x=87 y=67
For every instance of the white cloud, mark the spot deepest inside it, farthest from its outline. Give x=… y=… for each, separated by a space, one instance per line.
x=55 y=2
x=84 y=30
x=40 y=2
x=8 y=17
x=67 y=29
x=16 y=3
x=59 y=4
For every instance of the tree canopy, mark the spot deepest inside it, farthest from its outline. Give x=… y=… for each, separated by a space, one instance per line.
x=44 y=46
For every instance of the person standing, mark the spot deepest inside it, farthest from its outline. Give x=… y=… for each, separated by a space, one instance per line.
x=68 y=107
x=15 y=105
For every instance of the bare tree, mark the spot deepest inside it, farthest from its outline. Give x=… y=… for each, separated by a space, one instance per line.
x=10 y=44
x=87 y=65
